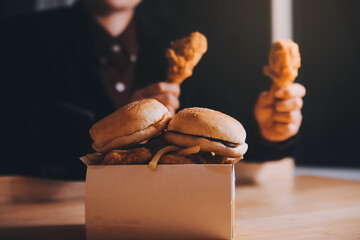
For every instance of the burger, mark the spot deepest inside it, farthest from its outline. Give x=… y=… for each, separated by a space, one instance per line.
x=213 y=131
x=208 y=136
x=119 y=137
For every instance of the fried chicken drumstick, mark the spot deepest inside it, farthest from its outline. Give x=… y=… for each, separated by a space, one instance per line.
x=284 y=62
x=183 y=55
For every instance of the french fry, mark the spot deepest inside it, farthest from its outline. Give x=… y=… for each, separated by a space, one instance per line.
x=188 y=151
x=160 y=153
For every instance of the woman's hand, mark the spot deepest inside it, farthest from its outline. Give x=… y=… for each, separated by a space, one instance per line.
x=165 y=92
x=278 y=112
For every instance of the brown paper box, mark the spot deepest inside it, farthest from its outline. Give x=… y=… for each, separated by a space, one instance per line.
x=193 y=201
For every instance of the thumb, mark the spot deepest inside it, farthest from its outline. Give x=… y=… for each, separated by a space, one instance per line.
x=272 y=90
x=266 y=98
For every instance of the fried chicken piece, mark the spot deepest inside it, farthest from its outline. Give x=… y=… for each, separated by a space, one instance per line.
x=133 y=156
x=205 y=158
x=284 y=62
x=183 y=55
x=199 y=158
x=175 y=159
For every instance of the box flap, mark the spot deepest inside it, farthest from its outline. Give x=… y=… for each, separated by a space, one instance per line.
x=92 y=158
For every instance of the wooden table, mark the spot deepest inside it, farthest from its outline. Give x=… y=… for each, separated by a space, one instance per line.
x=307 y=208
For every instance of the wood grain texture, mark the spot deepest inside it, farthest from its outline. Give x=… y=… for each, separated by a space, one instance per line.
x=306 y=208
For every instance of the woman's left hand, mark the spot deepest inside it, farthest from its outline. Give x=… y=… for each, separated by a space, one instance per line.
x=278 y=112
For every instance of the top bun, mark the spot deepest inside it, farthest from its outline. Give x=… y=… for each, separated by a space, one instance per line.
x=208 y=123
x=131 y=124
x=213 y=131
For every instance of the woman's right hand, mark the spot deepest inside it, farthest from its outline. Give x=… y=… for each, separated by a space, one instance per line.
x=165 y=92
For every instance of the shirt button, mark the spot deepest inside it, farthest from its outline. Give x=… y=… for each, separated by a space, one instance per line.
x=116 y=48
x=120 y=87
x=133 y=58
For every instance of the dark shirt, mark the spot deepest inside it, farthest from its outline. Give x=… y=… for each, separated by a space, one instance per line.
x=116 y=59
x=56 y=88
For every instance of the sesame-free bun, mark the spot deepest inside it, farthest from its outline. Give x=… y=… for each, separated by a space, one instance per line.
x=131 y=124
x=213 y=131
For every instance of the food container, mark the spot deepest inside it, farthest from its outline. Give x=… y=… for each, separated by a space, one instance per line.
x=190 y=201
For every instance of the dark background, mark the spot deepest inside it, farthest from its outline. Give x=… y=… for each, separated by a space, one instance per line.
x=230 y=74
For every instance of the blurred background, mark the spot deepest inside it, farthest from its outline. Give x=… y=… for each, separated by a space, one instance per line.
x=240 y=34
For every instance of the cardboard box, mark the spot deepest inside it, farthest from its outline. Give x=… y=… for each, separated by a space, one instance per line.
x=193 y=201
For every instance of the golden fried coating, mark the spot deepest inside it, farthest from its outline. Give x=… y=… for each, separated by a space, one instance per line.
x=175 y=159
x=133 y=156
x=202 y=158
x=183 y=55
x=284 y=62
x=198 y=158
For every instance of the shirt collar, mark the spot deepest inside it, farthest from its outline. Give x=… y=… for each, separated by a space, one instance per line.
x=103 y=41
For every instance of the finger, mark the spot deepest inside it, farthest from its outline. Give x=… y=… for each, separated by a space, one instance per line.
x=265 y=99
x=293 y=90
x=287 y=117
x=171 y=109
x=288 y=129
x=168 y=99
x=161 y=87
x=288 y=105
x=263 y=113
